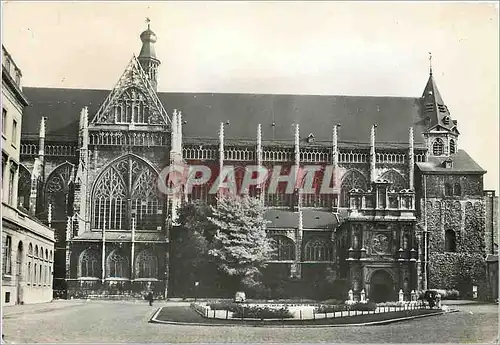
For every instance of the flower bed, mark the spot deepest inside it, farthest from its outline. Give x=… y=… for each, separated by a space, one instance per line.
x=325 y=308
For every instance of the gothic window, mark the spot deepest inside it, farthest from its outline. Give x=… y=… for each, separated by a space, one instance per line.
x=128 y=179
x=452 y=147
x=398 y=182
x=438 y=147
x=318 y=250
x=457 y=190
x=24 y=187
x=448 y=190
x=146 y=265
x=284 y=248
x=89 y=264
x=132 y=107
x=117 y=265
x=450 y=241
x=351 y=180
x=57 y=190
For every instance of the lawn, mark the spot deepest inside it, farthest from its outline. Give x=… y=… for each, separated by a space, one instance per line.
x=187 y=315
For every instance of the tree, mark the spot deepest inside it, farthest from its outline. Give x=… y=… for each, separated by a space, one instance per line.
x=240 y=248
x=189 y=248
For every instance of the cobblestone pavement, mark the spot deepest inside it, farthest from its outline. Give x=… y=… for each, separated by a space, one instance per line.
x=115 y=321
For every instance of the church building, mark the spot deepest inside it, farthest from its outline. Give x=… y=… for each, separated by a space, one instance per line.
x=405 y=188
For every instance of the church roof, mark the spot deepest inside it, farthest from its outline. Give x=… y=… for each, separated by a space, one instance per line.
x=203 y=113
x=461 y=163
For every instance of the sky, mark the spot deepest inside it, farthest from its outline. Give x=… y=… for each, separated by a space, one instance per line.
x=326 y=48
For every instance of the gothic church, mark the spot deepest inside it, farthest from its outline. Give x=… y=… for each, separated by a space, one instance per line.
x=91 y=159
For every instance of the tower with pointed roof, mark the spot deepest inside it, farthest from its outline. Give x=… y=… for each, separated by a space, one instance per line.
x=147 y=57
x=442 y=133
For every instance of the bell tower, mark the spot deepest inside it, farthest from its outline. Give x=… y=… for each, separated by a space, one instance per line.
x=147 y=56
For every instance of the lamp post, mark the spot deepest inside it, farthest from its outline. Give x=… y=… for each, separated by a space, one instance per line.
x=196 y=290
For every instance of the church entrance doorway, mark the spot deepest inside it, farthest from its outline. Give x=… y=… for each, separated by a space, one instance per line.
x=381 y=286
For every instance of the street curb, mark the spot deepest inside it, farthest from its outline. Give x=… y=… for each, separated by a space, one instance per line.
x=374 y=323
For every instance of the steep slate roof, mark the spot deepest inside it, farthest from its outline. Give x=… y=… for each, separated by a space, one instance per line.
x=204 y=112
x=462 y=163
x=311 y=219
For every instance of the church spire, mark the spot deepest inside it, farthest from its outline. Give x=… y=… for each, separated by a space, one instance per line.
x=147 y=56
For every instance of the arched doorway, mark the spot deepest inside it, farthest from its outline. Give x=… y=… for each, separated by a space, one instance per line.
x=381 y=286
x=19 y=271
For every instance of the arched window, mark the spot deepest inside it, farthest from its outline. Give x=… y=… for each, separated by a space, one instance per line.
x=24 y=187
x=35 y=280
x=398 y=182
x=146 y=265
x=30 y=249
x=36 y=251
x=132 y=179
x=89 y=264
x=19 y=261
x=284 y=248
x=450 y=241
x=448 y=190
x=29 y=273
x=56 y=190
x=438 y=147
x=457 y=189
x=40 y=276
x=117 y=265
x=318 y=250
x=351 y=180
x=452 y=147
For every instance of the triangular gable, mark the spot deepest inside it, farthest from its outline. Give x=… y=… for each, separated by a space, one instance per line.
x=438 y=128
x=455 y=130
x=133 y=76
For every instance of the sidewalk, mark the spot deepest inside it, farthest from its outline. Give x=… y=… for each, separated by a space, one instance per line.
x=463 y=302
x=24 y=308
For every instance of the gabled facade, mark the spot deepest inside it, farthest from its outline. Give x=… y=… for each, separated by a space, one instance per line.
x=104 y=152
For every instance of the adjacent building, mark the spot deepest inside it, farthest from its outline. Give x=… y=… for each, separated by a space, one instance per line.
x=27 y=243
x=396 y=160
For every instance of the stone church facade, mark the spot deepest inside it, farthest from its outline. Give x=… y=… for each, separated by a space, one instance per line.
x=394 y=160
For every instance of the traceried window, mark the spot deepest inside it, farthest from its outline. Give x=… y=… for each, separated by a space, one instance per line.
x=127 y=188
x=117 y=265
x=438 y=147
x=351 y=180
x=146 y=265
x=284 y=248
x=398 y=182
x=132 y=107
x=453 y=147
x=318 y=250
x=89 y=264
x=57 y=189
x=457 y=189
x=450 y=241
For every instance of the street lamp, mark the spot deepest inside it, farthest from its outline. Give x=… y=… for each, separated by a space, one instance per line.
x=196 y=290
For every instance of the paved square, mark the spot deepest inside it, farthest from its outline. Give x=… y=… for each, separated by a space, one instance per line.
x=79 y=321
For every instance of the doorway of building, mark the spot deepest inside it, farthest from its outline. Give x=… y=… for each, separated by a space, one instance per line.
x=381 y=286
x=19 y=271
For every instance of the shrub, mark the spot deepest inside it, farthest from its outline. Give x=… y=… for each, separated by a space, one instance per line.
x=330 y=308
x=370 y=306
x=332 y=301
x=230 y=306
x=391 y=304
x=262 y=313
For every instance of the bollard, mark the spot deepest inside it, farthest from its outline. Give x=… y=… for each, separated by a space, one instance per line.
x=227 y=314
x=314 y=315
x=300 y=313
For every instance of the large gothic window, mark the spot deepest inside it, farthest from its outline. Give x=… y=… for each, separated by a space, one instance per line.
x=438 y=147
x=351 y=180
x=24 y=187
x=284 y=248
x=146 y=265
x=117 y=265
x=56 y=190
x=89 y=264
x=132 y=107
x=127 y=189
x=398 y=182
x=318 y=250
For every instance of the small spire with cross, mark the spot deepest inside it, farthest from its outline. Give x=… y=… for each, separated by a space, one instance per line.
x=430 y=63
